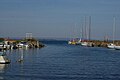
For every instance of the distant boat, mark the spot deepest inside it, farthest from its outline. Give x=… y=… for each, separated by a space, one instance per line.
x=71 y=42
x=87 y=43
x=112 y=45
x=3 y=58
x=117 y=47
x=87 y=34
x=74 y=41
x=23 y=45
x=84 y=43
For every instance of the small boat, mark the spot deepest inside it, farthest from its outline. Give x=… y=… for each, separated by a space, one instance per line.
x=78 y=42
x=84 y=43
x=111 y=46
x=23 y=45
x=117 y=47
x=72 y=42
x=75 y=41
x=87 y=44
x=3 y=58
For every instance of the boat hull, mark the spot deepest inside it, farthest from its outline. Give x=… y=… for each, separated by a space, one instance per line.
x=111 y=46
x=4 y=60
x=117 y=47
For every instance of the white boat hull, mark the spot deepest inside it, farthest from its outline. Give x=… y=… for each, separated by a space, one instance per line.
x=111 y=46
x=117 y=47
x=4 y=60
x=84 y=43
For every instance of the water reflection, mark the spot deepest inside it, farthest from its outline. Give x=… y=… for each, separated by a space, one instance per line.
x=2 y=70
x=21 y=55
x=2 y=66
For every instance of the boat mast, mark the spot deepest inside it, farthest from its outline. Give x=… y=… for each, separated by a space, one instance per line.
x=74 y=31
x=114 y=30
x=82 y=32
x=85 y=33
x=89 y=28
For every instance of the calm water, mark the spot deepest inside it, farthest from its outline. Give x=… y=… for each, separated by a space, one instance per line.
x=60 y=61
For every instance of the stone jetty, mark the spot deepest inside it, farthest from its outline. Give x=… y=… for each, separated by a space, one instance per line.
x=99 y=43
x=7 y=44
x=34 y=43
x=94 y=43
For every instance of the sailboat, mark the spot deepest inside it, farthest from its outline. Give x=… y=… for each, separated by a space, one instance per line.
x=87 y=34
x=72 y=42
x=112 y=45
x=75 y=41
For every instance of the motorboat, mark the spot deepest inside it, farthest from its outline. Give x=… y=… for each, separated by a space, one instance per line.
x=75 y=41
x=84 y=43
x=3 y=58
x=23 y=45
x=71 y=42
x=117 y=47
x=111 y=46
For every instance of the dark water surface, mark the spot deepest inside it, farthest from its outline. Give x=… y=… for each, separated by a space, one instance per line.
x=60 y=61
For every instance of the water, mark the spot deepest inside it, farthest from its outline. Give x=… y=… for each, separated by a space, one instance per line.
x=60 y=61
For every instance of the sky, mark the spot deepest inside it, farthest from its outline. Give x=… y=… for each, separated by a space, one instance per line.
x=58 y=18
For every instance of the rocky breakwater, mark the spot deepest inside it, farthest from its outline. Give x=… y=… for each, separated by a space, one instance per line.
x=98 y=43
x=7 y=44
x=34 y=43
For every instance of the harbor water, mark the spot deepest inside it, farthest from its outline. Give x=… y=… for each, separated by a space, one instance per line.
x=60 y=61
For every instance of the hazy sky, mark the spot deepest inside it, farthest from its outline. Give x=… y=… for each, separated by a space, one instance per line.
x=57 y=18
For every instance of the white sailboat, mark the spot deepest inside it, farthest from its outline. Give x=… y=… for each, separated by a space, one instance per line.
x=112 y=45
x=87 y=34
x=74 y=41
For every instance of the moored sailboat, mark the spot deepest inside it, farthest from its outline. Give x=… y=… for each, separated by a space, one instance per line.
x=75 y=41
x=112 y=45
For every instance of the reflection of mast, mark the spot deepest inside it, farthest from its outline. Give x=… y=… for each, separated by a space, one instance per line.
x=2 y=69
x=21 y=56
